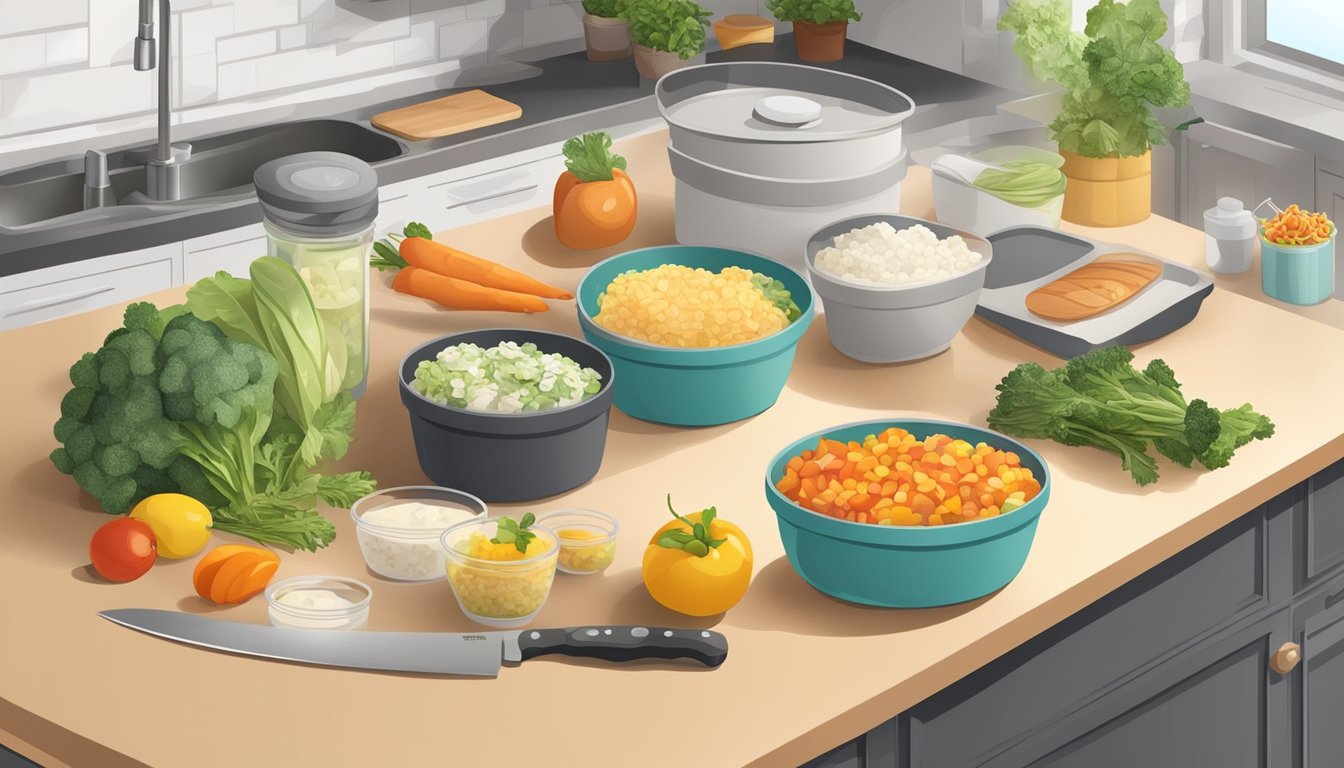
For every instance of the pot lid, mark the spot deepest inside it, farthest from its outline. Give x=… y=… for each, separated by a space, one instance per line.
x=316 y=182
x=726 y=100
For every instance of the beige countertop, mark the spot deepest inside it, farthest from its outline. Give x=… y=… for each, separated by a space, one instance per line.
x=805 y=672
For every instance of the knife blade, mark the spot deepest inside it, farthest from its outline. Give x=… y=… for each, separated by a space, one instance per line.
x=436 y=653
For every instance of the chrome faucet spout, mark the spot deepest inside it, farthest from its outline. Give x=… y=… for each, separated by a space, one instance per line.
x=144 y=38
x=163 y=164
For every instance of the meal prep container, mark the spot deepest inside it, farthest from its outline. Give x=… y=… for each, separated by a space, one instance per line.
x=763 y=183
x=959 y=203
x=702 y=386
x=1298 y=274
x=499 y=593
x=583 y=556
x=353 y=616
x=1026 y=258
x=407 y=554
x=501 y=457
x=895 y=323
x=907 y=566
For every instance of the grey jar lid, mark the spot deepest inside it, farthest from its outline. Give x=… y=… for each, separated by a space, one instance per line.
x=319 y=193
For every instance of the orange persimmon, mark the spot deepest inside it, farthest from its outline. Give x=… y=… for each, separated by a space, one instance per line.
x=595 y=205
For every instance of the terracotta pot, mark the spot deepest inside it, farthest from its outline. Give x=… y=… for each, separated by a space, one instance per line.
x=607 y=39
x=820 y=42
x=1108 y=191
x=654 y=64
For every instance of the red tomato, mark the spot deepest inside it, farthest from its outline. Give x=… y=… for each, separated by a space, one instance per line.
x=123 y=550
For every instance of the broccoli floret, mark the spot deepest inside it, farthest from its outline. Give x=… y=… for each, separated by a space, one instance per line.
x=1202 y=426
x=1239 y=426
x=209 y=378
x=115 y=439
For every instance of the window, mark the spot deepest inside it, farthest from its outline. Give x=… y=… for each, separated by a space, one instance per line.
x=1306 y=32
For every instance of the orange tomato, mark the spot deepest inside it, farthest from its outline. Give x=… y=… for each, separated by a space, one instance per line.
x=699 y=586
x=594 y=214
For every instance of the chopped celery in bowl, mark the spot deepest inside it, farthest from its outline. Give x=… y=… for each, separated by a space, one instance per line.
x=506 y=378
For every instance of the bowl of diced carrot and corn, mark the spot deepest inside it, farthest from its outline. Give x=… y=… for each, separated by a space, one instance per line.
x=907 y=513
x=697 y=335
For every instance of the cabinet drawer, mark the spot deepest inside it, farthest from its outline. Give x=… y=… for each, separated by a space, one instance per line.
x=465 y=201
x=1318 y=527
x=1207 y=586
x=47 y=301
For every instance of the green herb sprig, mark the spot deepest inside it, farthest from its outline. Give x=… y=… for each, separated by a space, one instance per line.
x=385 y=252
x=510 y=531
x=698 y=542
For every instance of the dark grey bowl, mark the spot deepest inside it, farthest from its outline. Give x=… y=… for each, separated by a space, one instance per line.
x=501 y=457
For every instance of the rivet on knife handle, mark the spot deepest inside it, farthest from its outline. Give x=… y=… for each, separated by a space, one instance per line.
x=626 y=643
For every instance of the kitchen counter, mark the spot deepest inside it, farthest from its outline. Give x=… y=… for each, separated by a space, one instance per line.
x=805 y=672
x=560 y=97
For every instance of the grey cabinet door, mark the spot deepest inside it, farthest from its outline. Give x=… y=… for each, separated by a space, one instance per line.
x=1219 y=706
x=1218 y=161
x=1321 y=698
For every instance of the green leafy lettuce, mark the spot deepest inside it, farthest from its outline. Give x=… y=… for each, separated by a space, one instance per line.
x=589 y=157
x=1113 y=75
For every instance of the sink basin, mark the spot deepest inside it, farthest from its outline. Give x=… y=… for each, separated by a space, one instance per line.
x=220 y=170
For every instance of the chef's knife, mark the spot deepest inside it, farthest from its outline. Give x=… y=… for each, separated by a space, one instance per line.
x=440 y=653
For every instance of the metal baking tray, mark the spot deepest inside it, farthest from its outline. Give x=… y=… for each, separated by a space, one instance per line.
x=1027 y=257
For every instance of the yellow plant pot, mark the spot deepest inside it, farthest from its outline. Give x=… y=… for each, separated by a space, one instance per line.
x=1108 y=191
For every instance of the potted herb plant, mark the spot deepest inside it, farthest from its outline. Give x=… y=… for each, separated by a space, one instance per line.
x=819 y=26
x=666 y=34
x=604 y=31
x=1112 y=77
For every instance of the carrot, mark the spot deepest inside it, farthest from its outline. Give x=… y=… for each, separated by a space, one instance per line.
x=453 y=293
x=450 y=262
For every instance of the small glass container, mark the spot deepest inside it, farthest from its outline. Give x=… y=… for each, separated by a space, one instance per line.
x=1229 y=236
x=498 y=593
x=413 y=551
x=318 y=211
x=319 y=602
x=587 y=539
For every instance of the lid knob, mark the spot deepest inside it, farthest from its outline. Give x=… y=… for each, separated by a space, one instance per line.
x=1230 y=205
x=784 y=109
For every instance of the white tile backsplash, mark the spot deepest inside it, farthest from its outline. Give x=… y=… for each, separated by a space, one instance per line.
x=198 y=30
x=246 y=46
x=112 y=28
x=463 y=39
x=26 y=15
x=553 y=23
x=260 y=14
x=23 y=53
x=67 y=46
x=40 y=101
x=293 y=37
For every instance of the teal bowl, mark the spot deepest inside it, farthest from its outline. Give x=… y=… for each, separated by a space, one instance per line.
x=1298 y=274
x=695 y=387
x=899 y=566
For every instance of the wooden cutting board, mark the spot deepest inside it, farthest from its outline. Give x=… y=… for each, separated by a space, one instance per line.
x=446 y=116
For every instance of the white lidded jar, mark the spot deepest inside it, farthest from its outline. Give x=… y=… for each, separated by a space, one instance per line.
x=319 y=209
x=1229 y=236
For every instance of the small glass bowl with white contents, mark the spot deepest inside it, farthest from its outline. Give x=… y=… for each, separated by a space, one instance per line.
x=587 y=539
x=399 y=528
x=319 y=602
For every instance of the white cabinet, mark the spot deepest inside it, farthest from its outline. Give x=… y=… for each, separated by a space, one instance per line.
x=1330 y=199
x=229 y=251
x=68 y=289
x=1223 y=162
x=483 y=191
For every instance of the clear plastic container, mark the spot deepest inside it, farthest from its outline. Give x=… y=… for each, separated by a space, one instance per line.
x=412 y=551
x=318 y=212
x=498 y=593
x=318 y=603
x=587 y=539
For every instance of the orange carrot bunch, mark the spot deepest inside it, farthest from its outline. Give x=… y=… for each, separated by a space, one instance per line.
x=458 y=280
x=897 y=479
x=1295 y=226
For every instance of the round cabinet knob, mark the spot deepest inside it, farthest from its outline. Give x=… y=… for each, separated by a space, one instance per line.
x=1286 y=658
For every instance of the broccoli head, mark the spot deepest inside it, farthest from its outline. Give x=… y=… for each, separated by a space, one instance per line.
x=209 y=378
x=115 y=439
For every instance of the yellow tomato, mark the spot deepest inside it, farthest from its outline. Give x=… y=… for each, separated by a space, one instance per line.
x=699 y=586
x=180 y=523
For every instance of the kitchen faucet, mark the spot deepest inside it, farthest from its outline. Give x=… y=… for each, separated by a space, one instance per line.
x=163 y=164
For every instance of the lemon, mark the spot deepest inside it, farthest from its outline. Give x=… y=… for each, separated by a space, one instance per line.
x=180 y=523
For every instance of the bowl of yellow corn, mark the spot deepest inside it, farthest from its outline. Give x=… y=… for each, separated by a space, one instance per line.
x=495 y=582
x=697 y=335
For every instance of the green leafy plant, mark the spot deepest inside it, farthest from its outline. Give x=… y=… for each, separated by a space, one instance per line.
x=673 y=26
x=515 y=532
x=607 y=9
x=1113 y=74
x=698 y=542
x=589 y=157
x=814 y=11
x=1100 y=399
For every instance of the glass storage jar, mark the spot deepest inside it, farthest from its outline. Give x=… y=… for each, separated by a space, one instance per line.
x=318 y=212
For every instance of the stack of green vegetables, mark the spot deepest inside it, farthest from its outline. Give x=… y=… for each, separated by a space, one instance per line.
x=1101 y=400
x=1028 y=183
x=233 y=398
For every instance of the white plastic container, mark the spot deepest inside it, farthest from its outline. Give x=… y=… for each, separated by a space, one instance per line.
x=959 y=203
x=345 y=603
x=1229 y=237
x=411 y=551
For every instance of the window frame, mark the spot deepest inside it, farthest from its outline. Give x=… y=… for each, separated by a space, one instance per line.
x=1255 y=22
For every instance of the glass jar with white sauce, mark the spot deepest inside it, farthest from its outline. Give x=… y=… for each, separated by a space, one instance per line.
x=318 y=211
x=319 y=602
x=398 y=528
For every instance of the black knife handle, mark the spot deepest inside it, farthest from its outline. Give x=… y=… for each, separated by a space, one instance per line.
x=627 y=643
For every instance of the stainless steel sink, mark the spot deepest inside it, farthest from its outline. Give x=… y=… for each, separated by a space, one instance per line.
x=219 y=171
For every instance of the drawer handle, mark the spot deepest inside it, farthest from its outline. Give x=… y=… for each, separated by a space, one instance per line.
x=1286 y=658
x=36 y=304
x=492 y=196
